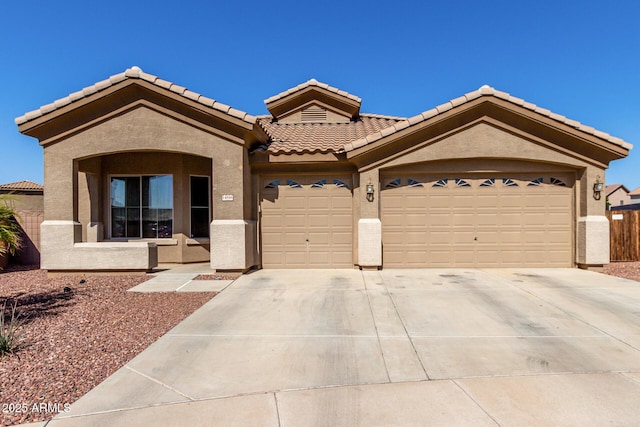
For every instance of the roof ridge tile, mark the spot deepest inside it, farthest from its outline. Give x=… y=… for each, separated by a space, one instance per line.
x=312 y=82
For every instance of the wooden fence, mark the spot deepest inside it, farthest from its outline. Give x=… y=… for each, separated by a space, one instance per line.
x=624 y=235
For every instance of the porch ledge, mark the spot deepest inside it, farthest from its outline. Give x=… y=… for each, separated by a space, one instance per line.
x=198 y=241
x=60 y=252
x=158 y=242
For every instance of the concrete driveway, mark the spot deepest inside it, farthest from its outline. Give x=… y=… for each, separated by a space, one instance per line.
x=396 y=347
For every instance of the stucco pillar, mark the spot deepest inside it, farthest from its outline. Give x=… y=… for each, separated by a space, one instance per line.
x=90 y=200
x=592 y=230
x=369 y=224
x=60 y=228
x=233 y=233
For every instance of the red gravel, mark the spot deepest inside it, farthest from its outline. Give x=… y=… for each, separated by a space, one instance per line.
x=73 y=341
x=628 y=270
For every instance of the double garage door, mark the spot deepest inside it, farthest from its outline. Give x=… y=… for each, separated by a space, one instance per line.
x=477 y=221
x=465 y=220
x=306 y=221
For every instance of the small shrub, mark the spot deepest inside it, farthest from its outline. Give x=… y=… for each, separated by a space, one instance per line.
x=10 y=325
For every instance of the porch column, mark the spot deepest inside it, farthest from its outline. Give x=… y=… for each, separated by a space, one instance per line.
x=90 y=200
x=369 y=224
x=60 y=228
x=233 y=231
x=592 y=230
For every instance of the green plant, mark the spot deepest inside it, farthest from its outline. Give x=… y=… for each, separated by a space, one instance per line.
x=10 y=231
x=9 y=329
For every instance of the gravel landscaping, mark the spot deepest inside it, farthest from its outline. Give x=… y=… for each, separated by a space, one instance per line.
x=628 y=270
x=72 y=340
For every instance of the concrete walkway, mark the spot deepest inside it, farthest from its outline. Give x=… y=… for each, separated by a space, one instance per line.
x=413 y=347
x=180 y=278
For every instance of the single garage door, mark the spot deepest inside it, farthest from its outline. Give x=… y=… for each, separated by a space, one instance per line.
x=306 y=222
x=477 y=221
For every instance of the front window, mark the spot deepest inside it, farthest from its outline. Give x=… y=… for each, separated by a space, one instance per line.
x=200 y=206
x=142 y=206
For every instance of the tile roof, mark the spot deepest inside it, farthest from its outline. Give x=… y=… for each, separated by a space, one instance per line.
x=22 y=186
x=134 y=73
x=635 y=192
x=320 y=137
x=483 y=91
x=312 y=82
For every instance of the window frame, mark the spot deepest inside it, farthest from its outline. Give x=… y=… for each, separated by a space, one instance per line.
x=209 y=198
x=110 y=206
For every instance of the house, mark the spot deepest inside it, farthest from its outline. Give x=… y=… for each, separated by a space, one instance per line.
x=27 y=199
x=617 y=195
x=634 y=196
x=140 y=170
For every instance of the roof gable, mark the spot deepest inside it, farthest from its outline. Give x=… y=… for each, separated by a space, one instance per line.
x=133 y=73
x=488 y=92
x=43 y=123
x=513 y=112
x=313 y=93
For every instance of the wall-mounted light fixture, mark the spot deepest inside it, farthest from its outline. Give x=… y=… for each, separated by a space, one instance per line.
x=370 y=191
x=597 y=188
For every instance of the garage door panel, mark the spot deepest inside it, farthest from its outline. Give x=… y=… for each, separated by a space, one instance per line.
x=438 y=219
x=534 y=219
x=343 y=220
x=319 y=202
x=344 y=238
x=486 y=219
x=559 y=236
x=316 y=220
x=414 y=219
x=508 y=217
x=461 y=219
x=437 y=238
x=413 y=201
x=306 y=222
x=439 y=200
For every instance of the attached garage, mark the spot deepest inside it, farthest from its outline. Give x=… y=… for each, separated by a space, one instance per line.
x=306 y=221
x=471 y=220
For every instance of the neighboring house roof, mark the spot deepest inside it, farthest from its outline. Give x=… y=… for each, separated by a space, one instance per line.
x=483 y=91
x=134 y=73
x=22 y=186
x=320 y=137
x=613 y=187
x=635 y=192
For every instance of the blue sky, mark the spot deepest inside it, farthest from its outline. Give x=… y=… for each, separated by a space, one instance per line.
x=580 y=59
